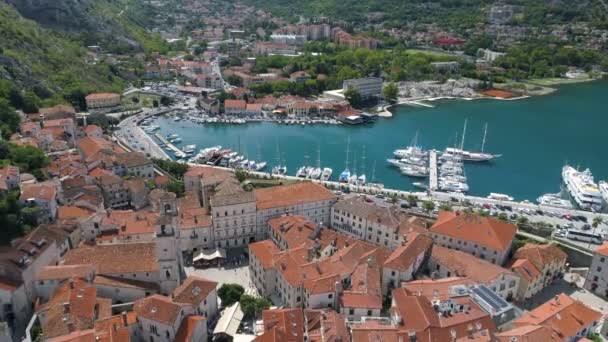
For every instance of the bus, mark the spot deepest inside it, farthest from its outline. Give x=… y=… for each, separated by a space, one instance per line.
x=579 y=235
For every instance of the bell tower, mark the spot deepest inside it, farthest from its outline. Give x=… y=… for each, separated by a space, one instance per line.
x=168 y=253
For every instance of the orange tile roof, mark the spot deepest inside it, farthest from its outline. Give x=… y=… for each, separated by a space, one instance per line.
x=365 y=288
x=485 y=231
x=92 y=128
x=419 y=316
x=129 y=222
x=287 y=195
x=465 y=265
x=42 y=191
x=563 y=315
x=87 y=335
x=124 y=283
x=264 y=251
x=525 y=269
x=235 y=104
x=603 y=249
x=73 y=212
x=159 y=308
x=117 y=258
x=187 y=328
x=431 y=288
x=293 y=229
x=74 y=300
x=290 y=323
x=101 y=96
x=114 y=328
x=326 y=326
x=194 y=290
x=65 y=272
x=541 y=255
x=195 y=218
x=527 y=333
x=405 y=256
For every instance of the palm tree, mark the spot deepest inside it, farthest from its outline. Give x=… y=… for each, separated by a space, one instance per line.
x=428 y=206
x=394 y=199
x=411 y=200
x=597 y=221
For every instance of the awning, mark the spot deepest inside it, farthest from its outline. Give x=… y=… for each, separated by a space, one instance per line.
x=230 y=321
x=208 y=254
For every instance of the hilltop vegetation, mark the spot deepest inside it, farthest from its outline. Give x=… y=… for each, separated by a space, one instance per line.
x=457 y=15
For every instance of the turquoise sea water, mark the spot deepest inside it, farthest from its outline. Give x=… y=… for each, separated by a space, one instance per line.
x=535 y=136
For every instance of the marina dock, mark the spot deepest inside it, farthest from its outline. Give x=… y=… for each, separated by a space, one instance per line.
x=169 y=145
x=433 y=182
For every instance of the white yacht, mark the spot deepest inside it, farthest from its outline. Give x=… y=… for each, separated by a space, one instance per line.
x=500 y=197
x=280 y=170
x=554 y=200
x=361 y=180
x=604 y=190
x=414 y=171
x=326 y=174
x=582 y=188
x=302 y=172
x=315 y=173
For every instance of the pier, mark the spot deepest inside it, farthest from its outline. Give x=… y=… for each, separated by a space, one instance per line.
x=433 y=182
x=169 y=145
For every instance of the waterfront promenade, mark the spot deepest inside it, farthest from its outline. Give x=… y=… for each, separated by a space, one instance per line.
x=433 y=179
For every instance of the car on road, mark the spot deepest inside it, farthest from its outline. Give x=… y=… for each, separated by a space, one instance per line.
x=559 y=234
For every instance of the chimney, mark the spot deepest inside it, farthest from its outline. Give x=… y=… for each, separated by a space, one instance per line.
x=124 y=317
x=338 y=287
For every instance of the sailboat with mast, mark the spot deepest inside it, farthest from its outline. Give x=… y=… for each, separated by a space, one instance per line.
x=373 y=183
x=279 y=169
x=345 y=175
x=315 y=173
x=362 y=179
x=471 y=156
x=353 y=176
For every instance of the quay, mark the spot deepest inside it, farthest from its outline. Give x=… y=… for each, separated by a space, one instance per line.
x=169 y=145
x=433 y=181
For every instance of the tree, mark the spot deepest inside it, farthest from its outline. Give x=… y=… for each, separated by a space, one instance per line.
x=253 y=306
x=597 y=220
x=445 y=207
x=230 y=293
x=391 y=91
x=353 y=97
x=241 y=175
x=393 y=198
x=428 y=206
x=503 y=217
x=595 y=337
x=166 y=101
x=177 y=188
x=412 y=200
x=9 y=119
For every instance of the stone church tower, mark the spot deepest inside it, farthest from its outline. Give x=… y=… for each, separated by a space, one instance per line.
x=168 y=253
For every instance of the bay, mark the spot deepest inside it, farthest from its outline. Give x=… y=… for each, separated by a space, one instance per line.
x=536 y=137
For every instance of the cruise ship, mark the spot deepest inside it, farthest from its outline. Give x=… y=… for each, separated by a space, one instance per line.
x=582 y=188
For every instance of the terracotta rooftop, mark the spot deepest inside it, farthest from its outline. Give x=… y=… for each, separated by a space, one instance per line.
x=485 y=231
x=326 y=326
x=431 y=288
x=405 y=256
x=73 y=212
x=116 y=259
x=116 y=282
x=159 y=308
x=187 y=328
x=525 y=269
x=465 y=265
x=365 y=287
x=194 y=218
x=128 y=222
x=603 y=249
x=541 y=255
x=563 y=315
x=62 y=272
x=286 y=323
x=527 y=333
x=264 y=251
x=72 y=306
x=101 y=96
x=288 y=195
x=235 y=104
x=42 y=191
x=293 y=229
x=194 y=290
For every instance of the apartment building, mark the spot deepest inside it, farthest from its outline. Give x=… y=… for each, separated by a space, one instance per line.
x=234 y=215
x=538 y=266
x=486 y=238
x=597 y=277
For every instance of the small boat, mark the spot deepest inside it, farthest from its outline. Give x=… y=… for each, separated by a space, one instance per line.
x=344 y=176
x=500 y=197
x=315 y=173
x=420 y=185
x=302 y=172
x=172 y=136
x=326 y=174
x=280 y=170
x=176 y=140
x=361 y=180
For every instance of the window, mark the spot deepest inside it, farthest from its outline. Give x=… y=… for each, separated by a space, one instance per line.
x=369 y=312
x=599 y=269
x=602 y=259
x=351 y=311
x=330 y=296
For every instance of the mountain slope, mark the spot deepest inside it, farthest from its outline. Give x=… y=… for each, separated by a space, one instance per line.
x=113 y=24
x=49 y=64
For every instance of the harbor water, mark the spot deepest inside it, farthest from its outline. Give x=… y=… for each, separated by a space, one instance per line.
x=535 y=136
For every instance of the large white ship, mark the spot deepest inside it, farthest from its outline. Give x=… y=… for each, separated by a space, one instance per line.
x=604 y=190
x=582 y=188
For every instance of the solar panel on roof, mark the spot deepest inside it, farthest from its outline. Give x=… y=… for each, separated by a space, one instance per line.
x=490 y=297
